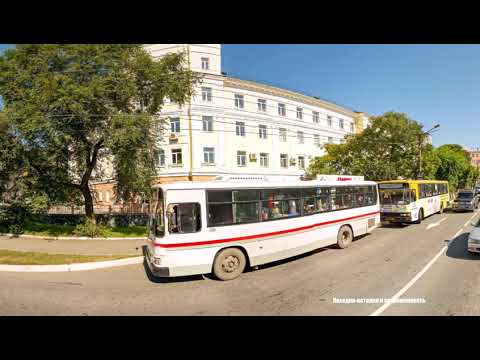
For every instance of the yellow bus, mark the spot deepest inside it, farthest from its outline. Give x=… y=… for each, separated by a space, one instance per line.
x=411 y=201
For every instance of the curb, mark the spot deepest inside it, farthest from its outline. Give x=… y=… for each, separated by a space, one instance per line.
x=72 y=267
x=70 y=238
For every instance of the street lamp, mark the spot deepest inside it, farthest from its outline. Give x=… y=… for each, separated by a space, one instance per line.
x=420 y=138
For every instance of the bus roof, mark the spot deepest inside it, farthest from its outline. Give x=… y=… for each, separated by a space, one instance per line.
x=413 y=181
x=188 y=185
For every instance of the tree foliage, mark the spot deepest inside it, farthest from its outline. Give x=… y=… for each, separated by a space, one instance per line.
x=455 y=166
x=73 y=107
x=388 y=149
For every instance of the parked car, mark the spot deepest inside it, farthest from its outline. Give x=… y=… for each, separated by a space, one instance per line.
x=477 y=191
x=474 y=239
x=466 y=200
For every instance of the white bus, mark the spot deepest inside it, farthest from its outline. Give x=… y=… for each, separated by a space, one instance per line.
x=223 y=227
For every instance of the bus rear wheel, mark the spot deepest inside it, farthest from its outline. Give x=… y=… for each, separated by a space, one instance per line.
x=229 y=264
x=344 y=237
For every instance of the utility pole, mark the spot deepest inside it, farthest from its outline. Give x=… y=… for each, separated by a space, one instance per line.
x=190 y=173
x=420 y=144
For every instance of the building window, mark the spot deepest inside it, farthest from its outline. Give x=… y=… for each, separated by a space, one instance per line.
x=282 y=133
x=263 y=160
x=283 y=160
x=329 y=120
x=301 y=162
x=206 y=94
x=241 y=158
x=205 y=63
x=299 y=113
x=262 y=105
x=239 y=101
x=300 y=137
x=177 y=156
x=207 y=123
x=161 y=157
x=330 y=140
x=316 y=140
x=352 y=129
x=175 y=125
x=316 y=117
x=281 y=110
x=240 y=128
x=262 y=131
x=209 y=155
x=341 y=123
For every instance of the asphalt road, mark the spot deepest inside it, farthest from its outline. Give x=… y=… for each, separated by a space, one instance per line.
x=376 y=266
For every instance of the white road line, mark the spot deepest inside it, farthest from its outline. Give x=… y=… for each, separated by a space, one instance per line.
x=436 y=224
x=385 y=306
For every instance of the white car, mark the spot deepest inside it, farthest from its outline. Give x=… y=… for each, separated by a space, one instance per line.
x=474 y=239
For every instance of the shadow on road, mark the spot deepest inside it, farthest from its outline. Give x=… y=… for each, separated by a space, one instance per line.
x=394 y=226
x=457 y=248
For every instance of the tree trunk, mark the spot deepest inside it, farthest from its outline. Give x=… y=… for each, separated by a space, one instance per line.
x=89 y=213
x=91 y=162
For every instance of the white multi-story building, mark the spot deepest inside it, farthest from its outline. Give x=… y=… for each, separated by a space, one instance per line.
x=244 y=128
x=238 y=127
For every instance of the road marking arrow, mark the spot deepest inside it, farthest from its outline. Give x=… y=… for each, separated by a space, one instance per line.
x=436 y=224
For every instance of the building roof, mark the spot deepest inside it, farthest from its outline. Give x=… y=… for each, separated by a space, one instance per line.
x=292 y=95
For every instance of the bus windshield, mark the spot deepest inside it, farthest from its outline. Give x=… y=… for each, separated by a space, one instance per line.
x=156 y=221
x=397 y=197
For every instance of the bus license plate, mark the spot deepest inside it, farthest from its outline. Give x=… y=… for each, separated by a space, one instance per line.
x=371 y=223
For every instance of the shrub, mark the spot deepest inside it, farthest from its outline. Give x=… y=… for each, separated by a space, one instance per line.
x=90 y=229
x=16 y=229
x=13 y=217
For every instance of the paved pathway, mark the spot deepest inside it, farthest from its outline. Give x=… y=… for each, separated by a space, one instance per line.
x=376 y=266
x=75 y=247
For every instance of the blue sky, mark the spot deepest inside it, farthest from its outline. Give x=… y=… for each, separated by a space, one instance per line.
x=431 y=83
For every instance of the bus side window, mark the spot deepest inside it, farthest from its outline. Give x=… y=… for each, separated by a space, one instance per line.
x=184 y=218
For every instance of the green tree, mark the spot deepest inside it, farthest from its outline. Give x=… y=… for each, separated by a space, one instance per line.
x=386 y=150
x=72 y=107
x=455 y=166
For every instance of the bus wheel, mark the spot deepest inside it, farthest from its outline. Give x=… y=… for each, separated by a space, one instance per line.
x=420 y=217
x=229 y=264
x=344 y=237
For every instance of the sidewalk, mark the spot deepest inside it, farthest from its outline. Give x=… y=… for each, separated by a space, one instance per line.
x=74 y=247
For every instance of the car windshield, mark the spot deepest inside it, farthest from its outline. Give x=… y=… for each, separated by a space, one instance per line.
x=465 y=195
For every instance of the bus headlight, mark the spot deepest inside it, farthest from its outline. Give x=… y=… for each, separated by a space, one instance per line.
x=157 y=261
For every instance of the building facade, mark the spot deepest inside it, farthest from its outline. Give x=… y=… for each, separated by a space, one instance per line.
x=475 y=157
x=244 y=128
x=240 y=128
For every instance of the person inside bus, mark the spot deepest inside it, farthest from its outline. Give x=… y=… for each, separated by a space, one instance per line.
x=308 y=208
x=275 y=211
x=265 y=212
x=292 y=210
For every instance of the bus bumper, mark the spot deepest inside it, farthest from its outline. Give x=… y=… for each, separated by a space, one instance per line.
x=396 y=217
x=167 y=265
x=155 y=268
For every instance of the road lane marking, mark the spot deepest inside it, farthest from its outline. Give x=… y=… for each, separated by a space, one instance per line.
x=395 y=297
x=436 y=224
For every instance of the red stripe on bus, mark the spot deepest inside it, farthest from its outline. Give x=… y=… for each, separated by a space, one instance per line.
x=249 y=237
